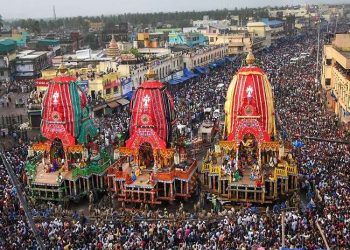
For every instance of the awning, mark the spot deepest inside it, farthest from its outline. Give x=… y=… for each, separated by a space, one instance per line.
x=97 y=108
x=177 y=80
x=188 y=73
x=123 y=101
x=230 y=59
x=113 y=105
x=129 y=95
x=201 y=70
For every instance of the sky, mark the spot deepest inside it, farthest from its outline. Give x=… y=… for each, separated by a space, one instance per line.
x=10 y=9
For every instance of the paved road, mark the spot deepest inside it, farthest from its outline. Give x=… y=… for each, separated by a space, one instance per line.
x=12 y=110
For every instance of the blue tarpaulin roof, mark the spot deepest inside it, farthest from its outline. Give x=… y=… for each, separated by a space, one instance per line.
x=189 y=73
x=230 y=59
x=129 y=95
x=201 y=70
x=180 y=80
x=217 y=63
x=272 y=23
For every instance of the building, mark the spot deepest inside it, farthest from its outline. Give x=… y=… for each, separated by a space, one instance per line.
x=236 y=43
x=189 y=39
x=260 y=34
x=163 y=66
x=151 y=40
x=276 y=26
x=121 y=31
x=296 y=11
x=289 y=24
x=124 y=46
x=7 y=59
x=29 y=63
x=206 y=22
x=96 y=26
x=203 y=56
x=113 y=49
x=20 y=36
x=335 y=77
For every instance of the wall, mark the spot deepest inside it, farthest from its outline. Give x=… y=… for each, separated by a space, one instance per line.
x=204 y=56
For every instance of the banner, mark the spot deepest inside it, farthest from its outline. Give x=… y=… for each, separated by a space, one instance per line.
x=126 y=86
x=84 y=85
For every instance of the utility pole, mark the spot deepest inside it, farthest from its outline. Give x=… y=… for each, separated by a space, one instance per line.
x=322 y=234
x=54 y=13
x=283 y=219
x=336 y=24
x=21 y=198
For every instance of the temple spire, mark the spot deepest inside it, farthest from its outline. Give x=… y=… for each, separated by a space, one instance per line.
x=250 y=59
x=151 y=74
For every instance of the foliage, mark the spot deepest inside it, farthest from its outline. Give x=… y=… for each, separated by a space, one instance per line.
x=1 y=23
x=140 y=20
x=135 y=52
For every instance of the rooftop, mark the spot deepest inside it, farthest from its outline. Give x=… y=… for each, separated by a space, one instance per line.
x=345 y=54
x=7 y=45
x=31 y=55
x=260 y=24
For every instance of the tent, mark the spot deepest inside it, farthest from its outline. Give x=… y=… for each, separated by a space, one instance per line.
x=201 y=69
x=129 y=95
x=189 y=73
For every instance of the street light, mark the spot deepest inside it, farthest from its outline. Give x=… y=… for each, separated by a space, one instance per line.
x=336 y=23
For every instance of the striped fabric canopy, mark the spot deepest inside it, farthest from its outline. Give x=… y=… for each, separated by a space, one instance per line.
x=62 y=110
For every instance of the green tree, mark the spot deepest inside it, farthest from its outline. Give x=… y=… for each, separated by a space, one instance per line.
x=1 y=23
x=135 y=52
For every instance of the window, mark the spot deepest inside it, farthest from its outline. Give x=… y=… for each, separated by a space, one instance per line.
x=108 y=91
x=212 y=39
x=1 y=73
x=115 y=89
x=328 y=81
x=328 y=61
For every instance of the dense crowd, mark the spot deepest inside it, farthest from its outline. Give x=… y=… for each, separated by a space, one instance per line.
x=301 y=109
x=303 y=112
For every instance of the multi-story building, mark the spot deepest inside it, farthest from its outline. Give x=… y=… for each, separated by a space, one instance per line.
x=260 y=34
x=191 y=39
x=296 y=11
x=206 y=22
x=163 y=67
x=236 y=43
x=276 y=26
x=151 y=40
x=204 y=56
x=30 y=63
x=335 y=77
x=7 y=59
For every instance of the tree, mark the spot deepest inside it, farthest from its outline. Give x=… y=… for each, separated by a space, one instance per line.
x=1 y=23
x=135 y=52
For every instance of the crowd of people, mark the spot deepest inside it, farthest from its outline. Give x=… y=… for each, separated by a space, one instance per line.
x=302 y=112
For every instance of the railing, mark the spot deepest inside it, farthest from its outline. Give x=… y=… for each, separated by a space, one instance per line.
x=280 y=172
x=215 y=170
x=292 y=169
x=205 y=167
x=185 y=174
x=31 y=165
x=93 y=168
x=181 y=174
x=165 y=176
